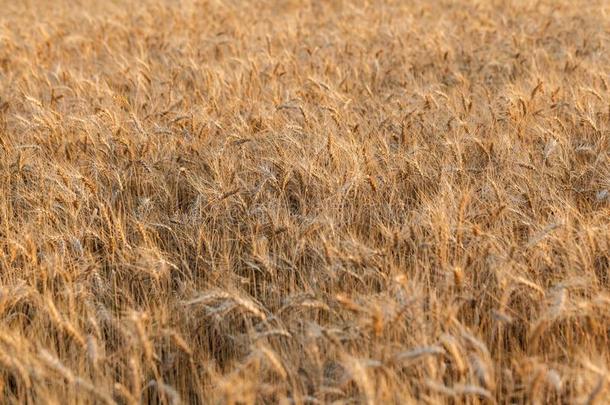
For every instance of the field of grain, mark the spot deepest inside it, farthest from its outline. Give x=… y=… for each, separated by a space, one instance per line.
x=304 y=202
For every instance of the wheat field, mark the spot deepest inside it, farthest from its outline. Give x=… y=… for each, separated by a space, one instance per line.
x=304 y=202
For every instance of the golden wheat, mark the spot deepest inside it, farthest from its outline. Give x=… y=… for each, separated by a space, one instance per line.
x=300 y=202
